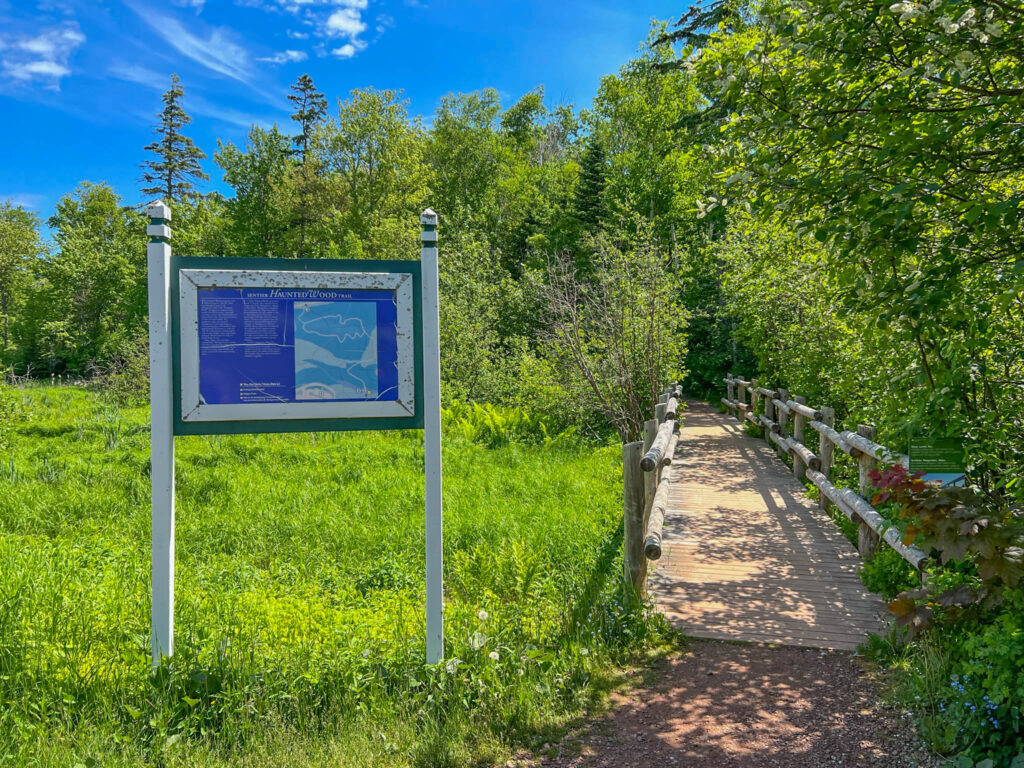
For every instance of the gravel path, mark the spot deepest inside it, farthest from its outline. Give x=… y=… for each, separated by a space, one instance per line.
x=723 y=705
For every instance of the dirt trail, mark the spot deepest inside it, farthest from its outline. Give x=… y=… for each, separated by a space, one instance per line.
x=723 y=705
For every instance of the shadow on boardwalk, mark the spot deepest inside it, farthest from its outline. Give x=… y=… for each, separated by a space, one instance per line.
x=747 y=556
x=724 y=705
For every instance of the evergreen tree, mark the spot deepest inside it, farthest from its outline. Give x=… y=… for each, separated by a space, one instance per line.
x=176 y=167
x=310 y=110
x=589 y=203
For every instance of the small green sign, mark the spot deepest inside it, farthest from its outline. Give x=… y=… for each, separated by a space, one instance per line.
x=937 y=455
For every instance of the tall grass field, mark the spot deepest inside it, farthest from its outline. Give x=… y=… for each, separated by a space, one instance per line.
x=299 y=596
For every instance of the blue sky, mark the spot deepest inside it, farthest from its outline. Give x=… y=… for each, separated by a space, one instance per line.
x=80 y=80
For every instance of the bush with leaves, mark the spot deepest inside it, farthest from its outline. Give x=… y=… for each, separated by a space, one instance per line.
x=957 y=524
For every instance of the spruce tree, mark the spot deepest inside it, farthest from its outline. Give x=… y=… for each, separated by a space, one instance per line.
x=176 y=167
x=589 y=202
x=310 y=110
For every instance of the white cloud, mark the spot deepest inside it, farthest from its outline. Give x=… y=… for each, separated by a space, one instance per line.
x=298 y=35
x=217 y=52
x=384 y=23
x=347 y=51
x=42 y=57
x=286 y=56
x=346 y=22
x=133 y=73
x=197 y=4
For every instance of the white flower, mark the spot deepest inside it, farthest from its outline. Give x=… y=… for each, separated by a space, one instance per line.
x=366 y=653
x=948 y=25
x=482 y=615
x=584 y=652
x=477 y=640
x=967 y=17
x=493 y=655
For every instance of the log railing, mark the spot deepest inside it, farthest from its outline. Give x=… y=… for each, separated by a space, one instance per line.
x=778 y=410
x=645 y=488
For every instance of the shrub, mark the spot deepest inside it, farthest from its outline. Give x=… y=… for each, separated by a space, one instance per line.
x=887 y=573
x=986 y=709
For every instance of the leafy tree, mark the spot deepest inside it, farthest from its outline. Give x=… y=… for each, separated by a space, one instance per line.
x=376 y=183
x=891 y=132
x=176 y=167
x=88 y=301
x=259 y=211
x=19 y=247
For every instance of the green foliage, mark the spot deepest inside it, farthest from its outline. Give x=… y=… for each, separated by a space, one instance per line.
x=888 y=133
x=887 y=573
x=88 y=300
x=960 y=525
x=495 y=426
x=9 y=412
x=260 y=215
x=19 y=247
x=299 y=605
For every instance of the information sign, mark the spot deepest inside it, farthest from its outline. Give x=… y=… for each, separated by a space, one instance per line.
x=266 y=347
x=289 y=345
x=941 y=459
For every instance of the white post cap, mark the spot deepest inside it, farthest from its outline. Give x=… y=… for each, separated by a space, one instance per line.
x=158 y=209
x=428 y=218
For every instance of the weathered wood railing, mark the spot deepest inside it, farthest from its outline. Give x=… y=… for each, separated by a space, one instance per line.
x=778 y=407
x=645 y=487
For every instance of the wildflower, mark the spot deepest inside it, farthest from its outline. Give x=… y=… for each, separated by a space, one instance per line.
x=584 y=652
x=452 y=665
x=493 y=655
x=482 y=615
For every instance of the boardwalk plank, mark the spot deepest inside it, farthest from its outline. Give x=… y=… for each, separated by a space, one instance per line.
x=746 y=555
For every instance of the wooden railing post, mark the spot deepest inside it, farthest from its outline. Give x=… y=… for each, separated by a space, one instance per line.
x=754 y=395
x=799 y=428
x=867 y=539
x=634 y=506
x=741 y=397
x=769 y=413
x=826 y=451
x=782 y=419
x=730 y=388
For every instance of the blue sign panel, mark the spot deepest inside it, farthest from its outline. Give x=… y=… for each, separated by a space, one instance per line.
x=263 y=345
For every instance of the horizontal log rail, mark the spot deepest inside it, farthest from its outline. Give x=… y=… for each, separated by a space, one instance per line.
x=645 y=489
x=784 y=417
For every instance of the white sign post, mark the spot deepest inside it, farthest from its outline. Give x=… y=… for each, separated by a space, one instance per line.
x=237 y=346
x=432 y=436
x=161 y=404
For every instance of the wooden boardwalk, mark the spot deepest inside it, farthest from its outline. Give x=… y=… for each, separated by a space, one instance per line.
x=746 y=555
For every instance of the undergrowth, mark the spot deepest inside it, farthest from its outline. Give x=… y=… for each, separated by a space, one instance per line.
x=299 y=601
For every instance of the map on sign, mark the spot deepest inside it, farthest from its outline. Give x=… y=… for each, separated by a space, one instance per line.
x=335 y=350
x=260 y=345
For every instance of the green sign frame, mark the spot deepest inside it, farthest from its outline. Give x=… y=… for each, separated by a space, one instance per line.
x=262 y=426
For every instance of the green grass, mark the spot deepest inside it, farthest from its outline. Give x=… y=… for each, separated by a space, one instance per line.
x=299 y=614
